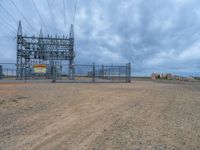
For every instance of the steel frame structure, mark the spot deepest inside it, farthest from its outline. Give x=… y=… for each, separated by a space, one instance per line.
x=43 y=48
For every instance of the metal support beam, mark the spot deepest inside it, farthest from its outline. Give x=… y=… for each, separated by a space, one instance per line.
x=1 y=72
x=93 y=73
x=71 y=52
x=43 y=49
x=54 y=73
x=128 y=73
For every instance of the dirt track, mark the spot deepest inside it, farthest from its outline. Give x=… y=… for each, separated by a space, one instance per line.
x=141 y=115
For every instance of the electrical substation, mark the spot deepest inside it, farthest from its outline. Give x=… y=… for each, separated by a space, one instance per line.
x=50 y=57
x=44 y=55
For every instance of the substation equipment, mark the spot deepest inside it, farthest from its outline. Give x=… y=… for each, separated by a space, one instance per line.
x=48 y=57
x=44 y=55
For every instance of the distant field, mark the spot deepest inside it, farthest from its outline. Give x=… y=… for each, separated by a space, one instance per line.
x=197 y=78
x=142 y=115
x=140 y=78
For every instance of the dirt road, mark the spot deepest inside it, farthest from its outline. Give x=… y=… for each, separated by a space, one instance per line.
x=141 y=115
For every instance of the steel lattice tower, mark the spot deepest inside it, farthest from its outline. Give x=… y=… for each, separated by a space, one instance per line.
x=43 y=48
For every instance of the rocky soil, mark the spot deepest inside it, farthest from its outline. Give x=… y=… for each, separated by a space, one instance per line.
x=143 y=115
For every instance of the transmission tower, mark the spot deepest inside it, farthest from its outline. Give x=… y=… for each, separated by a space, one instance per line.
x=40 y=49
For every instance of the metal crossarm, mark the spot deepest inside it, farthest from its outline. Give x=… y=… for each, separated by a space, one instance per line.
x=49 y=49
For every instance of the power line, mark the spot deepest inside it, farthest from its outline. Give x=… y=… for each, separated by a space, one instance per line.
x=75 y=7
x=8 y=37
x=64 y=13
x=21 y=14
x=8 y=25
x=52 y=17
x=8 y=31
x=9 y=14
x=8 y=28
x=42 y=22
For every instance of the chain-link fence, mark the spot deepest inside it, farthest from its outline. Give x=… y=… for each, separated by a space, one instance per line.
x=58 y=72
x=7 y=70
x=110 y=73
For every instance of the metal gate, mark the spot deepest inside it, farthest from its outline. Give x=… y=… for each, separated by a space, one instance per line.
x=58 y=72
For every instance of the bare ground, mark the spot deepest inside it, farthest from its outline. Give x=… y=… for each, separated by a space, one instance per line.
x=141 y=115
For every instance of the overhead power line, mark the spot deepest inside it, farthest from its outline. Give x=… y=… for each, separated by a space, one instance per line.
x=9 y=14
x=64 y=14
x=52 y=17
x=75 y=9
x=21 y=14
x=42 y=22
x=8 y=37
x=9 y=29
x=8 y=25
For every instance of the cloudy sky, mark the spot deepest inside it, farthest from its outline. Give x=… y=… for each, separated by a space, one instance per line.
x=154 y=35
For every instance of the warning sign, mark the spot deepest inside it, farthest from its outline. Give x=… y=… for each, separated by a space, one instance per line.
x=40 y=68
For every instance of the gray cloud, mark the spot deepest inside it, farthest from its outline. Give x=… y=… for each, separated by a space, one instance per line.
x=155 y=35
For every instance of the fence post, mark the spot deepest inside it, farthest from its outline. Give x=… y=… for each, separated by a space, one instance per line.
x=1 y=72
x=54 y=73
x=25 y=75
x=109 y=74
x=93 y=73
x=102 y=71
x=112 y=73
x=119 y=74
x=129 y=72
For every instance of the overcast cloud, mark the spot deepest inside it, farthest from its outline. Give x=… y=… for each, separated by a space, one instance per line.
x=154 y=35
